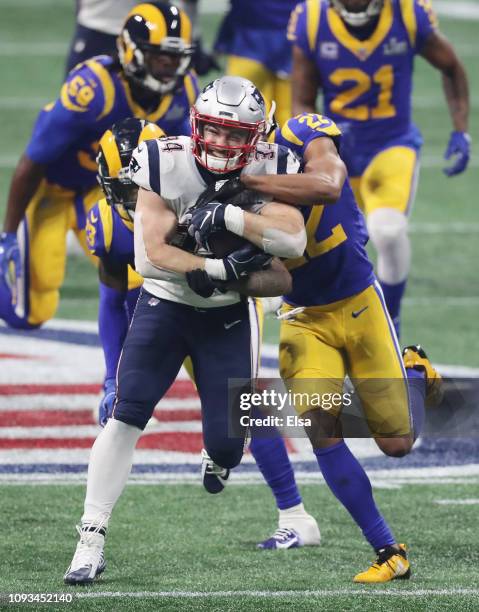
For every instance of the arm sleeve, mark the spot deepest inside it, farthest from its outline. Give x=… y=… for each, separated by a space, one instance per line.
x=82 y=100
x=426 y=22
x=297 y=32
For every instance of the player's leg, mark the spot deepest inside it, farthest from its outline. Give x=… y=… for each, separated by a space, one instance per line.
x=151 y=358
x=312 y=360
x=225 y=348
x=87 y=43
x=392 y=397
x=387 y=189
x=42 y=241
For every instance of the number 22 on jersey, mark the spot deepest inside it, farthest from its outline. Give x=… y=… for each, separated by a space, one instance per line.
x=315 y=248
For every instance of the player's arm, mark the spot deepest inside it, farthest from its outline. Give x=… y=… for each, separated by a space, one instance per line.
x=155 y=224
x=25 y=181
x=322 y=180
x=440 y=53
x=305 y=83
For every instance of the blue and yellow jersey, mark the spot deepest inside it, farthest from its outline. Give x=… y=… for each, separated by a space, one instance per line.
x=256 y=29
x=366 y=83
x=335 y=264
x=110 y=234
x=94 y=96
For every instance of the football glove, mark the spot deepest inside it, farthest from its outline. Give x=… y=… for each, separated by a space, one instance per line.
x=105 y=409
x=200 y=282
x=10 y=261
x=244 y=261
x=206 y=220
x=459 y=147
x=203 y=60
x=231 y=191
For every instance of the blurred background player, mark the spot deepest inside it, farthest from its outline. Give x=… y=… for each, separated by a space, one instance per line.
x=54 y=184
x=109 y=233
x=253 y=36
x=361 y=54
x=99 y=22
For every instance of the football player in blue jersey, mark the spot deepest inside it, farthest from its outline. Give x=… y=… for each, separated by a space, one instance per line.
x=253 y=36
x=54 y=184
x=335 y=323
x=361 y=54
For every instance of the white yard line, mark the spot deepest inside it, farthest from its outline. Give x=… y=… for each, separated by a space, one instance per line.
x=457 y=502
x=320 y=593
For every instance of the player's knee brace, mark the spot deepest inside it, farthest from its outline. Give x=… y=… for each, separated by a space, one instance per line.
x=388 y=230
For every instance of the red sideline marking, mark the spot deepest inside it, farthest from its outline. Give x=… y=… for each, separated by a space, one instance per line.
x=179 y=389
x=191 y=442
x=57 y=418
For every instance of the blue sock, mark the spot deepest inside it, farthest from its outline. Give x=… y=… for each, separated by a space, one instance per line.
x=273 y=462
x=393 y=295
x=417 y=395
x=349 y=482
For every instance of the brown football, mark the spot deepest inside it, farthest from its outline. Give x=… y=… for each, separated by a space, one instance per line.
x=223 y=243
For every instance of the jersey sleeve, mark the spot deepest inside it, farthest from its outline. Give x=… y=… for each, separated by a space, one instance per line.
x=299 y=131
x=426 y=22
x=145 y=166
x=86 y=96
x=99 y=229
x=303 y=27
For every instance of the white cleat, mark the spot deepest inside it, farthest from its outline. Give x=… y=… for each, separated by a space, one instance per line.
x=88 y=561
x=296 y=528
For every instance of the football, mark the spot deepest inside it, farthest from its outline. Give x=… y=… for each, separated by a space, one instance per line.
x=223 y=243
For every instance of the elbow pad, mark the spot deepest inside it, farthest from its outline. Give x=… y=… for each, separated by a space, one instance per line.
x=279 y=243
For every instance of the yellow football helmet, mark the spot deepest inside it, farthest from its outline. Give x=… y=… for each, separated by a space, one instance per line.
x=116 y=147
x=154 y=46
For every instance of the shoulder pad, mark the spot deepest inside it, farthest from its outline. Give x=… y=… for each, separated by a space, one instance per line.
x=89 y=87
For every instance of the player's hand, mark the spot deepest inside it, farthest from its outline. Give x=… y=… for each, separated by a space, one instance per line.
x=244 y=261
x=206 y=220
x=200 y=282
x=10 y=259
x=203 y=60
x=231 y=191
x=459 y=147
x=107 y=402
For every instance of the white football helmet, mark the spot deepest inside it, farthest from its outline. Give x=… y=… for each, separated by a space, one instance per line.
x=229 y=102
x=358 y=18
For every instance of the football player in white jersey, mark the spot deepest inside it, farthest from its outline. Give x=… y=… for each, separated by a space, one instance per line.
x=220 y=332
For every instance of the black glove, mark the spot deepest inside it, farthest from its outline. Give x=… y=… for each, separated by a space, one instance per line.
x=230 y=191
x=203 y=60
x=199 y=282
x=244 y=261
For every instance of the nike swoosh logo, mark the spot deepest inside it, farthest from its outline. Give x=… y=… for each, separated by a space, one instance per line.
x=228 y=325
x=206 y=217
x=288 y=544
x=355 y=314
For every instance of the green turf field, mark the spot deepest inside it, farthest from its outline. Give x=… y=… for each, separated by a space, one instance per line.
x=212 y=549
x=443 y=293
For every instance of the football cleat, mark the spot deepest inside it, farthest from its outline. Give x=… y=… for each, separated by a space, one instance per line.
x=282 y=539
x=390 y=564
x=88 y=561
x=415 y=357
x=295 y=529
x=214 y=476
